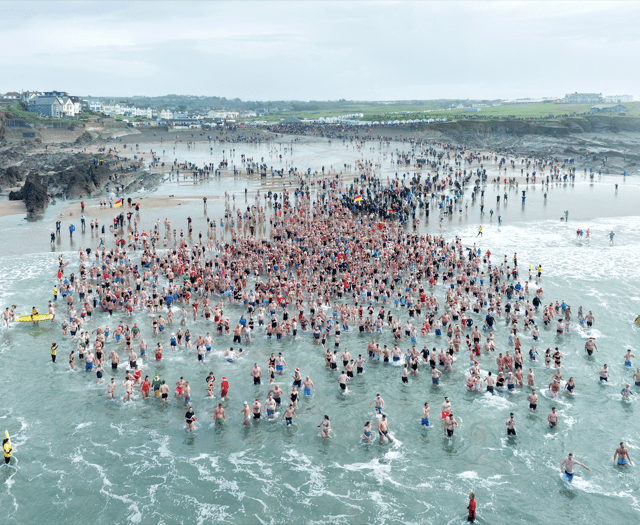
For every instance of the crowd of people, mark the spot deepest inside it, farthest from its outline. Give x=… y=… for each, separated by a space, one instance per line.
x=335 y=266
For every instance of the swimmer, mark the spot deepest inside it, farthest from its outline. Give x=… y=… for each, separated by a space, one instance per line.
x=533 y=401
x=511 y=425
x=307 y=385
x=425 y=415
x=218 y=414
x=622 y=455
x=552 y=418
x=627 y=358
x=366 y=432
x=569 y=387
x=590 y=346
x=604 y=374
x=256 y=409
x=164 y=392
x=256 y=373
x=270 y=406
x=449 y=425
x=379 y=403
x=289 y=411
x=383 y=429
x=325 y=427
x=626 y=392
x=111 y=388
x=566 y=467
x=190 y=418
x=245 y=413
x=342 y=381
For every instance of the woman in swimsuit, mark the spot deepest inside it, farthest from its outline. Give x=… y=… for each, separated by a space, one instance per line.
x=325 y=427
x=570 y=386
x=366 y=432
x=294 y=396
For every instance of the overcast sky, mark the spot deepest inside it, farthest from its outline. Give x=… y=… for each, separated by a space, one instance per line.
x=321 y=50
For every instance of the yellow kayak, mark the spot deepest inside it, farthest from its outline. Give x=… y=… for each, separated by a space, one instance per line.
x=35 y=318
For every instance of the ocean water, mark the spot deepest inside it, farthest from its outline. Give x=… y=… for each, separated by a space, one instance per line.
x=80 y=457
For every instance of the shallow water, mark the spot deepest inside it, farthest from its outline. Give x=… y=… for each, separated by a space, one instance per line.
x=88 y=459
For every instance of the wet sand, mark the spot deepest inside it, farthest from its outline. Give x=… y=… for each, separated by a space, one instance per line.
x=12 y=208
x=93 y=210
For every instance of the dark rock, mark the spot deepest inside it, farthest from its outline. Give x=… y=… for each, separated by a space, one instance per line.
x=84 y=138
x=33 y=193
x=10 y=177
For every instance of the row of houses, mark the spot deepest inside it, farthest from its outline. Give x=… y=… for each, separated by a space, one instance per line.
x=163 y=114
x=595 y=98
x=59 y=104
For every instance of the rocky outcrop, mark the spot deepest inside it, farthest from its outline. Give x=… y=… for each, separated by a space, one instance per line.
x=33 y=193
x=84 y=138
x=10 y=177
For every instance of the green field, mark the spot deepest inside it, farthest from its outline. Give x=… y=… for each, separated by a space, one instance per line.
x=385 y=112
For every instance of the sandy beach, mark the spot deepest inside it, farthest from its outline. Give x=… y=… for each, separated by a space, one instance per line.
x=12 y=208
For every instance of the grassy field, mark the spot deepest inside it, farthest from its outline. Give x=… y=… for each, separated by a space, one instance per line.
x=384 y=112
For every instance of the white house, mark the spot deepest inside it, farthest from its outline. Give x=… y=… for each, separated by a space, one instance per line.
x=217 y=113
x=144 y=112
x=68 y=107
x=95 y=106
x=166 y=114
x=617 y=99
x=111 y=109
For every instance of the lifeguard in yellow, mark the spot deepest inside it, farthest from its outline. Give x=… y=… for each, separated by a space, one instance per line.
x=479 y=231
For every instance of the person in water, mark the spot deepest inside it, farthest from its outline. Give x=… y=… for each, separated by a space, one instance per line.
x=472 y=508
x=622 y=455
x=366 y=432
x=566 y=467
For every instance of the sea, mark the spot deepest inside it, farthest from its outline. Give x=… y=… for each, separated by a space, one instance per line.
x=80 y=457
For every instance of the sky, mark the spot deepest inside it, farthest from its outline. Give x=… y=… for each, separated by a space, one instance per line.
x=321 y=50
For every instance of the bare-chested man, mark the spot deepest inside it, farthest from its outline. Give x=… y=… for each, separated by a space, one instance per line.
x=622 y=455
x=218 y=414
x=566 y=467
x=379 y=403
x=533 y=401
x=111 y=387
x=288 y=413
x=449 y=424
x=342 y=380
x=511 y=425
x=164 y=391
x=383 y=429
x=256 y=373
x=246 y=412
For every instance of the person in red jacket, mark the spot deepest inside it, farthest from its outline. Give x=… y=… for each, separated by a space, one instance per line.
x=224 y=387
x=472 y=508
